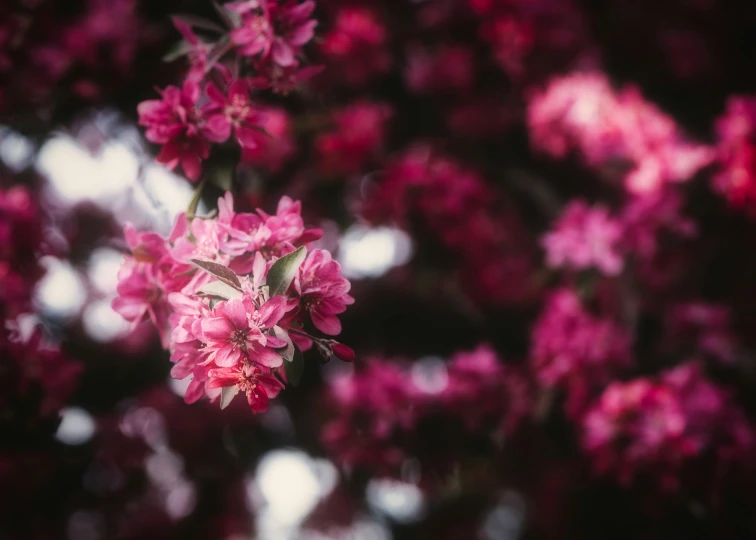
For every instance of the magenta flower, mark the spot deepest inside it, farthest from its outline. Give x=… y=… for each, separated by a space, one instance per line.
x=655 y=427
x=585 y=237
x=359 y=133
x=257 y=383
x=323 y=290
x=273 y=29
x=235 y=332
x=198 y=54
x=276 y=146
x=576 y=350
x=234 y=112
x=173 y=121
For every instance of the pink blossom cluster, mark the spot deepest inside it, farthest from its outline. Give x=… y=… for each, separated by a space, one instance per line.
x=356 y=44
x=20 y=248
x=704 y=327
x=453 y=204
x=379 y=407
x=533 y=33
x=34 y=372
x=358 y=134
x=587 y=237
x=232 y=298
x=575 y=350
x=89 y=51
x=736 y=152
x=658 y=427
x=581 y=112
x=260 y=49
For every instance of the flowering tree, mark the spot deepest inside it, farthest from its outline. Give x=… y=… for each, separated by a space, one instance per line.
x=524 y=230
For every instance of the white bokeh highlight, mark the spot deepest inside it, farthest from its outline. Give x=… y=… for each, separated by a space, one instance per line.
x=371 y=252
x=76 y=427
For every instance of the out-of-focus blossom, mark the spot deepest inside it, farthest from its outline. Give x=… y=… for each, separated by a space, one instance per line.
x=379 y=408
x=581 y=112
x=457 y=209
x=575 y=350
x=585 y=237
x=737 y=152
x=356 y=44
x=359 y=133
x=449 y=69
x=656 y=428
x=704 y=327
x=273 y=30
x=277 y=145
x=20 y=249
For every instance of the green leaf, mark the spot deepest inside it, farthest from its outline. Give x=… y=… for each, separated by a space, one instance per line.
x=231 y=18
x=221 y=289
x=182 y=48
x=283 y=271
x=199 y=22
x=288 y=352
x=228 y=393
x=223 y=273
x=191 y=210
x=295 y=368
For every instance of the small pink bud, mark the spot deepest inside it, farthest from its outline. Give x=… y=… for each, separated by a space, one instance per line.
x=342 y=352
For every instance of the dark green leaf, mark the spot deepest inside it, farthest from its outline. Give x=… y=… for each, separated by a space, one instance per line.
x=231 y=18
x=295 y=368
x=283 y=271
x=199 y=22
x=191 y=210
x=182 y=48
x=288 y=352
x=221 y=289
x=223 y=273
x=228 y=393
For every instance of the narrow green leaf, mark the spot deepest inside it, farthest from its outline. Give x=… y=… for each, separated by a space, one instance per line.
x=191 y=210
x=231 y=18
x=221 y=289
x=295 y=368
x=223 y=273
x=283 y=271
x=199 y=22
x=288 y=352
x=182 y=48
x=228 y=393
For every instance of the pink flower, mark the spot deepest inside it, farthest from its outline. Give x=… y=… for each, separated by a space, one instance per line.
x=273 y=28
x=236 y=331
x=654 y=428
x=202 y=242
x=257 y=383
x=323 y=291
x=276 y=146
x=583 y=112
x=736 y=152
x=198 y=54
x=585 y=237
x=173 y=121
x=359 y=133
x=356 y=44
x=145 y=280
x=571 y=346
x=449 y=69
x=234 y=111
